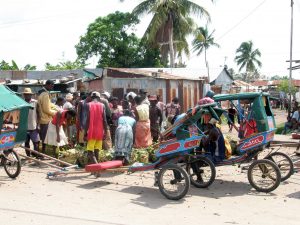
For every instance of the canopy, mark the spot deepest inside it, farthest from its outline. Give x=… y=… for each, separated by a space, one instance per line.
x=239 y=96
x=9 y=101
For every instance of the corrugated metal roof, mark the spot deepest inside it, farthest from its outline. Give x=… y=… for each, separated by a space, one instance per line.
x=159 y=73
x=241 y=83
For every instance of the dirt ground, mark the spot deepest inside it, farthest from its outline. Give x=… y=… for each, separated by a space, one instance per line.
x=122 y=199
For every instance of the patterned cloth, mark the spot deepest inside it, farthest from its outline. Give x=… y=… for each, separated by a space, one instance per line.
x=143 y=137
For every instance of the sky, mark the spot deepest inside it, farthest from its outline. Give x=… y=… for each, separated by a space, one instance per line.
x=39 y=31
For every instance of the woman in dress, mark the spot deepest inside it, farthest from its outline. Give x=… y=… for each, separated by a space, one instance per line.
x=56 y=136
x=124 y=136
x=143 y=137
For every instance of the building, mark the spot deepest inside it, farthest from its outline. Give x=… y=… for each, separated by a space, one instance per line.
x=65 y=80
x=120 y=81
x=223 y=82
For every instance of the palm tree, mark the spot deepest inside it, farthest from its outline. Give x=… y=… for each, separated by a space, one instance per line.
x=202 y=42
x=248 y=58
x=170 y=24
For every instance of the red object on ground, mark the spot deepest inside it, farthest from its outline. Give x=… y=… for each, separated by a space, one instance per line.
x=295 y=136
x=103 y=166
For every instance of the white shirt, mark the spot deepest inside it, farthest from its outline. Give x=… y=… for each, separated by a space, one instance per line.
x=296 y=116
x=68 y=105
x=32 y=115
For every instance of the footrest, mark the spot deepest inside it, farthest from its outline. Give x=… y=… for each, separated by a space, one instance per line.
x=103 y=166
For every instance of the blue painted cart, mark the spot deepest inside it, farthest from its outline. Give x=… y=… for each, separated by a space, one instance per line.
x=13 y=123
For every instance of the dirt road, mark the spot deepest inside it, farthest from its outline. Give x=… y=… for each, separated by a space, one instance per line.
x=121 y=199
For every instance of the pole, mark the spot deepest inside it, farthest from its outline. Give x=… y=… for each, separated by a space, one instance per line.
x=291 y=57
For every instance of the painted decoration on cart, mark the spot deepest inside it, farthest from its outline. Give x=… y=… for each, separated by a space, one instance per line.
x=256 y=141
x=179 y=146
x=7 y=140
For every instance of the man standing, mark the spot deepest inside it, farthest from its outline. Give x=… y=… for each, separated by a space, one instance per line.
x=231 y=115
x=96 y=127
x=46 y=110
x=69 y=102
x=155 y=118
x=172 y=110
x=144 y=98
x=33 y=118
x=81 y=120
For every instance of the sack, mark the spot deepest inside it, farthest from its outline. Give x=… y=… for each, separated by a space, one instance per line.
x=107 y=143
x=228 y=150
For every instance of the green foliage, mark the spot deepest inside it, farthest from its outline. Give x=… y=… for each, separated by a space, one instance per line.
x=247 y=58
x=170 y=25
x=67 y=65
x=278 y=77
x=109 y=38
x=284 y=86
x=13 y=66
x=202 y=42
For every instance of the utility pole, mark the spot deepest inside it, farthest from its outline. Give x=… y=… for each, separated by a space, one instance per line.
x=291 y=56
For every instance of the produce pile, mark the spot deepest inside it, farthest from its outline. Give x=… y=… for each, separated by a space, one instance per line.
x=78 y=155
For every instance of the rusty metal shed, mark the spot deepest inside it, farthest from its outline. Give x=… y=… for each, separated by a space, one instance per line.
x=120 y=81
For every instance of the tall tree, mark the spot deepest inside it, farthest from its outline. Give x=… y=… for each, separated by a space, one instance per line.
x=247 y=57
x=170 y=24
x=202 y=42
x=109 y=38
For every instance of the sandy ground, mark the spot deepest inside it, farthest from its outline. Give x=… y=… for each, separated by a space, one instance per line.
x=121 y=199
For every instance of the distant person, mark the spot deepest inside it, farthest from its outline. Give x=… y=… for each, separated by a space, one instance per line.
x=143 y=137
x=56 y=136
x=172 y=110
x=296 y=119
x=81 y=120
x=33 y=119
x=116 y=112
x=95 y=128
x=60 y=101
x=69 y=102
x=155 y=118
x=143 y=96
x=124 y=137
x=46 y=110
x=231 y=114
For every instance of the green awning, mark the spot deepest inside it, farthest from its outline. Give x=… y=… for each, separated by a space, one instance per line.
x=239 y=96
x=9 y=101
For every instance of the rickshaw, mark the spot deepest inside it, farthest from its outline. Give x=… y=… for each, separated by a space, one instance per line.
x=257 y=130
x=179 y=161
x=13 y=122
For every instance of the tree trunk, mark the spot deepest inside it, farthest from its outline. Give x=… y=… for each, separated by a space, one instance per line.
x=171 y=44
x=206 y=64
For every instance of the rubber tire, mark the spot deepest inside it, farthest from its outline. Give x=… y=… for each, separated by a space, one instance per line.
x=185 y=177
x=291 y=172
x=275 y=167
x=18 y=164
x=212 y=177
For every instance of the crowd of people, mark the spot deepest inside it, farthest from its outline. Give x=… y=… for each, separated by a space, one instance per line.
x=97 y=121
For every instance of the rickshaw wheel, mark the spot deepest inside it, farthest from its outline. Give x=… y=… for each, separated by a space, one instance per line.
x=202 y=172
x=284 y=163
x=11 y=163
x=173 y=182
x=264 y=175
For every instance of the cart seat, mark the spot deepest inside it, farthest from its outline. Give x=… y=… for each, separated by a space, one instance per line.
x=103 y=166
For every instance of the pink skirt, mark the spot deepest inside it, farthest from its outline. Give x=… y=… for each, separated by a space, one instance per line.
x=143 y=137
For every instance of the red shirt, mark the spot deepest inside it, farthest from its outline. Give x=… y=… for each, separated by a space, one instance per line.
x=63 y=118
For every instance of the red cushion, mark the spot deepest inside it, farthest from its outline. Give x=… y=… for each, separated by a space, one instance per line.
x=103 y=166
x=295 y=136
